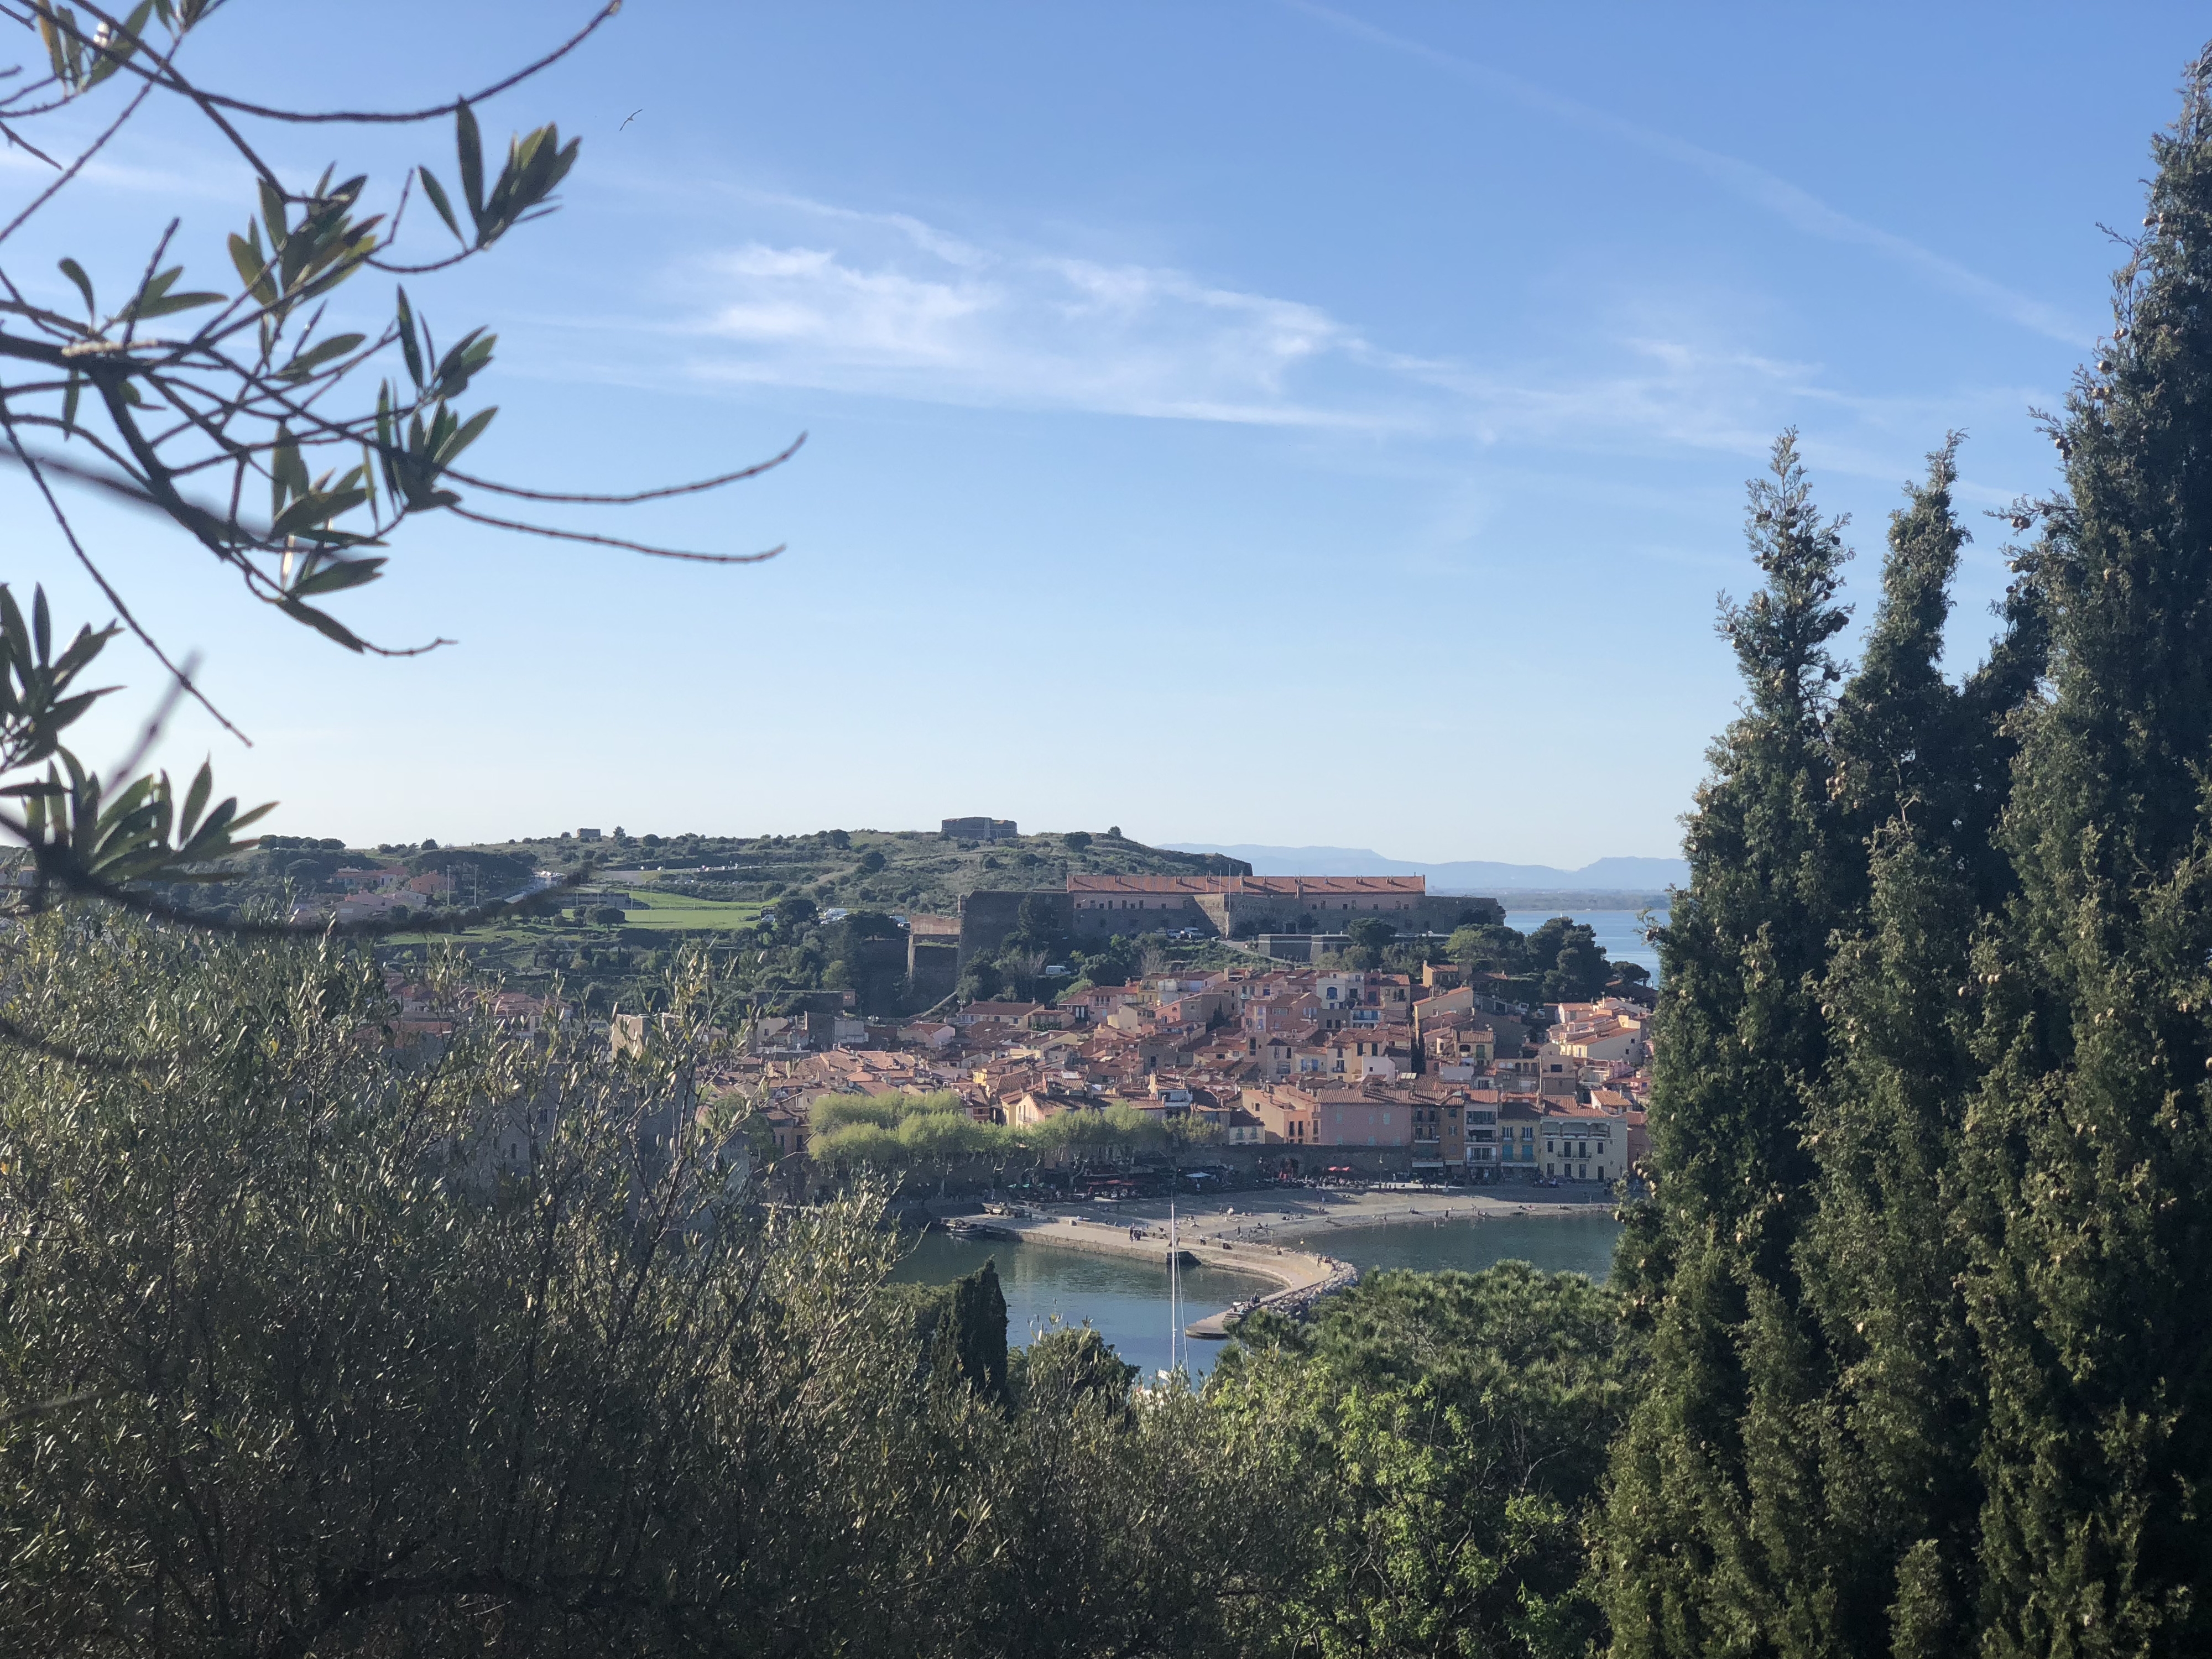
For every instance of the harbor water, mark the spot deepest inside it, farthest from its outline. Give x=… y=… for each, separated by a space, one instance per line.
x=1127 y=1301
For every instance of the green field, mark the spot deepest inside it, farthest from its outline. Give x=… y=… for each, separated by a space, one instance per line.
x=667 y=913
x=680 y=913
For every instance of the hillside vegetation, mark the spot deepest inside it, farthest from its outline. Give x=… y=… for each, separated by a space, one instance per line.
x=907 y=871
x=611 y=940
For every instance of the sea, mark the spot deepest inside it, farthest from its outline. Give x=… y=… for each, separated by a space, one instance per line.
x=1619 y=933
x=1127 y=1301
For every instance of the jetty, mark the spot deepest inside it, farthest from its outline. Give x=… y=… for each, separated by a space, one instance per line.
x=1300 y=1277
x=1215 y=1233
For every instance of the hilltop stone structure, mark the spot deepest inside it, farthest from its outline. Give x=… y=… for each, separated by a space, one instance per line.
x=980 y=829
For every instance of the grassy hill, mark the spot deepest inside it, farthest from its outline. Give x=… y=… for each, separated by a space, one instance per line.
x=905 y=871
x=676 y=891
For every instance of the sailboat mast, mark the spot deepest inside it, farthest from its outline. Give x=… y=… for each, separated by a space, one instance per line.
x=1174 y=1283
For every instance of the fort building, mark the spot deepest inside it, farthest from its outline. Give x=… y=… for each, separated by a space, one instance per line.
x=1244 y=907
x=979 y=828
x=1097 y=907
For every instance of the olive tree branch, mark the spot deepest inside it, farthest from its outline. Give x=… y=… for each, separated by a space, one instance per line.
x=752 y=471
x=361 y=118
x=69 y=531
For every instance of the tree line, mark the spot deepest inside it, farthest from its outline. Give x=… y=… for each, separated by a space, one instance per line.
x=1924 y=1278
x=315 y=1341
x=848 y=1133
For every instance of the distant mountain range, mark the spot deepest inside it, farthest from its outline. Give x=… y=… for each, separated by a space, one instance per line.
x=1462 y=876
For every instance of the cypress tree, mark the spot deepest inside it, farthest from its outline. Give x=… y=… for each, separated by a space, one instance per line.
x=1831 y=852
x=1896 y=734
x=975 y=1331
x=1708 y=1480
x=2086 y=1152
x=1922 y=769
x=1964 y=1400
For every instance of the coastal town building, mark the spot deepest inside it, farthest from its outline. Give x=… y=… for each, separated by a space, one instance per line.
x=1285 y=1067
x=1583 y=1143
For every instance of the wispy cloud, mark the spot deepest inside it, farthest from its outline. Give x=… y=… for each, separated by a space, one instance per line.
x=935 y=316
x=210 y=180
x=1794 y=205
x=830 y=297
x=888 y=305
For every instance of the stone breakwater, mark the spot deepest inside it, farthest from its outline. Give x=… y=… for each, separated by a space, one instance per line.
x=1297 y=1303
x=1301 y=1277
x=1217 y=1234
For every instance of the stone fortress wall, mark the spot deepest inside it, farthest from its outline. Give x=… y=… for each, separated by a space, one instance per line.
x=1242 y=907
x=1093 y=908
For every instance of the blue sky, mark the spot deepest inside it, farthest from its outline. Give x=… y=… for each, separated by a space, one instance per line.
x=1243 y=423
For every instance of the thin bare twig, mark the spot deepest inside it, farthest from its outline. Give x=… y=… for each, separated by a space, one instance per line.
x=22 y=143
x=445 y=264
x=124 y=486
x=363 y=118
x=137 y=630
x=76 y=167
x=151 y=733
x=460 y=511
x=753 y=472
x=153 y=266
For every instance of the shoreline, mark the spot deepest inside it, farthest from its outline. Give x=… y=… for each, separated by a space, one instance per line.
x=1276 y=1243
x=1285 y=1269
x=1496 y=1210
x=1300 y=1277
x=1264 y=1216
